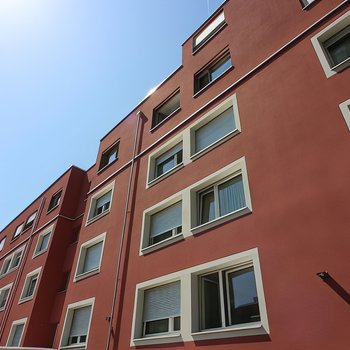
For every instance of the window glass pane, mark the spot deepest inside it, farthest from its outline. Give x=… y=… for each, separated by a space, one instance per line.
x=208 y=207
x=210 y=301
x=211 y=28
x=31 y=286
x=92 y=257
x=102 y=203
x=44 y=242
x=231 y=195
x=162 y=302
x=17 y=335
x=80 y=321
x=220 y=68
x=2 y=243
x=159 y=326
x=244 y=306
x=339 y=51
x=167 y=219
x=214 y=130
x=3 y=297
x=18 y=230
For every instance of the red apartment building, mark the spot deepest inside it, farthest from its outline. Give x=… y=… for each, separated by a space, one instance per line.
x=217 y=214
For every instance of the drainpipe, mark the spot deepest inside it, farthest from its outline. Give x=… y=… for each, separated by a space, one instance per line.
x=20 y=270
x=122 y=238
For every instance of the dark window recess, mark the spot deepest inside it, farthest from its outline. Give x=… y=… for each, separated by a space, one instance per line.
x=338 y=47
x=109 y=155
x=166 y=109
x=64 y=281
x=55 y=200
x=212 y=72
x=75 y=235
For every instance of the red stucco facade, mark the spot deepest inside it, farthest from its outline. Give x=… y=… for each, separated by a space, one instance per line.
x=290 y=145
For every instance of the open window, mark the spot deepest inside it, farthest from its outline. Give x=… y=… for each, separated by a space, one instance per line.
x=166 y=109
x=109 y=155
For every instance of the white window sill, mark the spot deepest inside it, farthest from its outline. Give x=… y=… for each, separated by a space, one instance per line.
x=221 y=220
x=23 y=300
x=215 y=144
x=97 y=217
x=87 y=274
x=39 y=253
x=342 y=65
x=162 y=244
x=75 y=346
x=165 y=175
x=249 y=329
x=159 y=339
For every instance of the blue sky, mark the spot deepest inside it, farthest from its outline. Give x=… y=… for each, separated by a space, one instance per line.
x=69 y=71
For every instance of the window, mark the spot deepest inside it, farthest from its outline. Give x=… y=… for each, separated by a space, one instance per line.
x=55 y=200
x=221 y=199
x=212 y=72
x=162 y=224
x=166 y=223
x=218 y=299
x=43 y=241
x=90 y=256
x=209 y=31
x=306 y=3
x=77 y=324
x=166 y=109
x=2 y=243
x=345 y=109
x=101 y=202
x=232 y=291
x=29 y=222
x=161 y=309
x=332 y=45
x=215 y=130
x=4 y=294
x=30 y=285
x=16 y=333
x=18 y=230
x=11 y=262
x=168 y=161
x=109 y=155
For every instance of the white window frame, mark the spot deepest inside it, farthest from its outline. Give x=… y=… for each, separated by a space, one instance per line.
x=46 y=232
x=306 y=3
x=190 y=207
x=81 y=259
x=10 y=258
x=208 y=117
x=23 y=298
x=210 y=30
x=345 y=109
x=68 y=322
x=230 y=171
x=12 y=332
x=190 y=318
x=187 y=138
x=2 y=243
x=2 y=290
x=146 y=223
x=324 y=35
x=91 y=218
x=152 y=179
